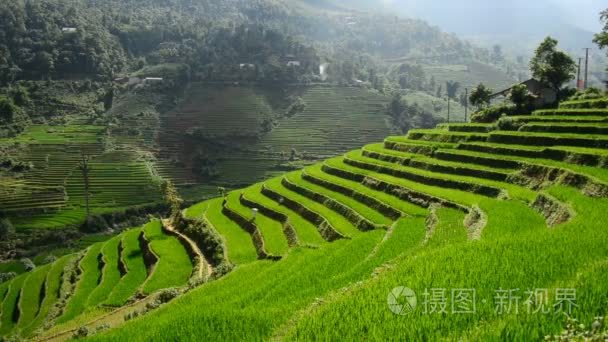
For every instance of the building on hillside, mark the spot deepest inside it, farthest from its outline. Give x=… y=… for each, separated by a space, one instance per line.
x=69 y=30
x=247 y=66
x=134 y=80
x=293 y=63
x=149 y=80
x=543 y=93
x=121 y=80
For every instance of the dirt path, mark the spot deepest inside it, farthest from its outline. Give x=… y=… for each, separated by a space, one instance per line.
x=112 y=319
x=204 y=267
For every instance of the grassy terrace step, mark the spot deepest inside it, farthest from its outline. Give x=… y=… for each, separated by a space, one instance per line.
x=174 y=266
x=314 y=273
x=9 y=315
x=110 y=273
x=549 y=139
x=561 y=118
x=413 y=192
x=342 y=227
x=88 y=280
x=389 y=206
x=594 y=103
x=360 y=215
x=377 y=151
x=356 y=159
x=577 y=128
x=467 y=127
x=238 y=244
x=132 y=258
x=306 y=232
x=32 y=295
x=242 y=216
x=438 y=135
x=569 y=154
x=276 y=242
x=52 y=286
x=278 y=218
x=518 y=162
x=573 y=112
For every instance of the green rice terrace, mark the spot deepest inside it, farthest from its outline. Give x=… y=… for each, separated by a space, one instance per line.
x=253 y=128
x=463 y=232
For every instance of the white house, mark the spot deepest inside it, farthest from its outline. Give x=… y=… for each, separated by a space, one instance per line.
x=69 y=30
x=247 y=66
x=293 y=63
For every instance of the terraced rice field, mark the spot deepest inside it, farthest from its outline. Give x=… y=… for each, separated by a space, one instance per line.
x=51 y=194
x=335 y=120
x=498 y=198
x=106 y=275
x=317 y=251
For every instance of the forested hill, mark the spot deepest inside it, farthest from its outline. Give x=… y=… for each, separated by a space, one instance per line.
x=41 y=39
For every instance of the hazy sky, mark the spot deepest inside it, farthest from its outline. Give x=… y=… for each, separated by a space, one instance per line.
x=582 y=13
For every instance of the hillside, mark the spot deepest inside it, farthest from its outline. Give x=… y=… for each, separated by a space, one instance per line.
x=229 y=100
x=435 y=209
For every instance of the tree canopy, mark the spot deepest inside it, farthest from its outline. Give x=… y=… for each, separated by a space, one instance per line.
x=601 y=39
x=480 y=96
x=552 y=66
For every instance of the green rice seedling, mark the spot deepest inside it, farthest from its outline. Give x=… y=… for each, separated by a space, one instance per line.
x=132 y=257
x=10 y=310
x=272 y=231
x=52 y=285
x=32 y=295
x=306 y=232
x=110 y=275
x=238 y=243
x=174 y=266
x=87 y=283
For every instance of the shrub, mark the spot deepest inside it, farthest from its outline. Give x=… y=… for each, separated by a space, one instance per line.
x=480 y=96
x=49 y=259
x=208 y=240
x=95 y=224
x=587 y=94
x=6 y=228
x=7 y=109
x=508 y=124
x=168 y=295
x=522 y=98
x=102 y=327
x=82 y=332
x=492 y=114
x=28 y=264
x=7 y=276
x=297 y=106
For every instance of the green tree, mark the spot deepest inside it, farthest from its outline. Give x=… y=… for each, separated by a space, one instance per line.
x=601 y=39
x=451 y=88
x=6 y=228
x=7 y=109
x=551 y=66
x=20 y=96
x=520 y=96
x=480 y=96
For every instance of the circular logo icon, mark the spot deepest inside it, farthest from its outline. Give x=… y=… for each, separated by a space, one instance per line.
x=402 y=300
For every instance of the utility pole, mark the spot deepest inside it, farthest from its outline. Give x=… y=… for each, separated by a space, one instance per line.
x=466 y=104
x=578 y=73
x=448 y=109
x=586 y=66
x=84 y=167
